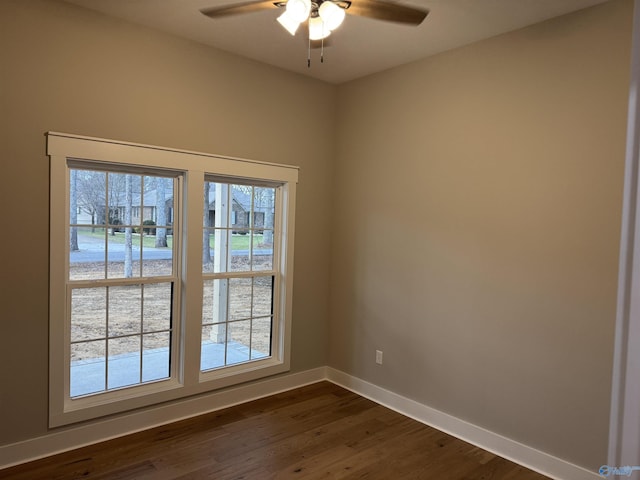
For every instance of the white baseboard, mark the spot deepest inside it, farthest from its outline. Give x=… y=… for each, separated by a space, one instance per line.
x=504 y=447
x=99 y=431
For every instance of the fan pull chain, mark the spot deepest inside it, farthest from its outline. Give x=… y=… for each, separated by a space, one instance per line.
x=322 y=51
x=309 y=53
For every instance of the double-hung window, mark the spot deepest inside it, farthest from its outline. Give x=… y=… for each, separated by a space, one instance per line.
x=238 y=273
x=170 y=274
x=121 y=282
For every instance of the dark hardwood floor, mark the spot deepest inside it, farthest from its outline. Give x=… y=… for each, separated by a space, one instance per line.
x=318 y=431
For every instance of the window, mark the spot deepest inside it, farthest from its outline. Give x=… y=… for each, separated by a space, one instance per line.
x=238 y=276
x=195 y=299
x=122 y=284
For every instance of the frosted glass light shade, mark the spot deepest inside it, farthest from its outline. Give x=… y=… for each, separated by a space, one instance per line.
x=298 y=10
x=331 y=14
x=288 y=23
x=317 y=29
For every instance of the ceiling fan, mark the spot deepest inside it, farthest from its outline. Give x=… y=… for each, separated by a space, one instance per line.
x=323 y=16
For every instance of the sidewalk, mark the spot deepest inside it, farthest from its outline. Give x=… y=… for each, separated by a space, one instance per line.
x=88 y=376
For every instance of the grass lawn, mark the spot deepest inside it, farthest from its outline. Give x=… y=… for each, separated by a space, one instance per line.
x=238 y=242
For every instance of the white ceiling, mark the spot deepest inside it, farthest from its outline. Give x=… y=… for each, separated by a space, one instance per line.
x=361 y=46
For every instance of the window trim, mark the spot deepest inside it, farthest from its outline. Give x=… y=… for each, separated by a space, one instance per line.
x=63 y=148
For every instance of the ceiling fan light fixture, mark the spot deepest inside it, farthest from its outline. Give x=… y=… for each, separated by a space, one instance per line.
x=298 y=10
x=317 y=29
x=290 y=24
x=323 y=16
x=332 y=15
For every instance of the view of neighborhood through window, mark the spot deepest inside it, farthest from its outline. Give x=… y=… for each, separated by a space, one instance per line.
x=238 y=273
x=121 y=279
x=121 y=276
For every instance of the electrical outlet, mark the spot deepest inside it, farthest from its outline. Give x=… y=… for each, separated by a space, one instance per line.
x=379 y=357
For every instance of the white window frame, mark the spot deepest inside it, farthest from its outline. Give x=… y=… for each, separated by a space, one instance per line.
x=186 y=378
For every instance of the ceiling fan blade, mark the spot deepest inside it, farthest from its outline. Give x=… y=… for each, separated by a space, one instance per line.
x=236 y=8
x=391 y=12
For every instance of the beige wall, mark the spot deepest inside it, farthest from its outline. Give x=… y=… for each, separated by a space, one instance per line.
x=477 y=204
x=66 y=69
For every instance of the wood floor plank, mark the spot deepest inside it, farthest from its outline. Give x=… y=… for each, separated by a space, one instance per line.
x=314 y=432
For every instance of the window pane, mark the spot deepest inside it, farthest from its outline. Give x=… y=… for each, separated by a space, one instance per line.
x=90 y=198
x=157 y=307
x=116 y=193
x=123 y=257
x=157 y=262
x=157 y=212
x=262 y=258
x=218 y=215
x=124 y=310
x=124 y=190
x=239 y=298
x=263 y=207
x=88 y=368
x=156 y=355
x=220 y=205
x=219 y=243
x=262 y=296
x=135 y=182
x=207 y=301
x=213 y=346
x=208 y=213
x=261 y=338
x=214 y=301
x=241 y=201
x=264 y=202
x=159 y=201
x=241 y=240
x=240 y=251
x=87 y=261
x=239 y=337
x=208 y=250
x=88 y=314
x=124 y=194
x=124 y=361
